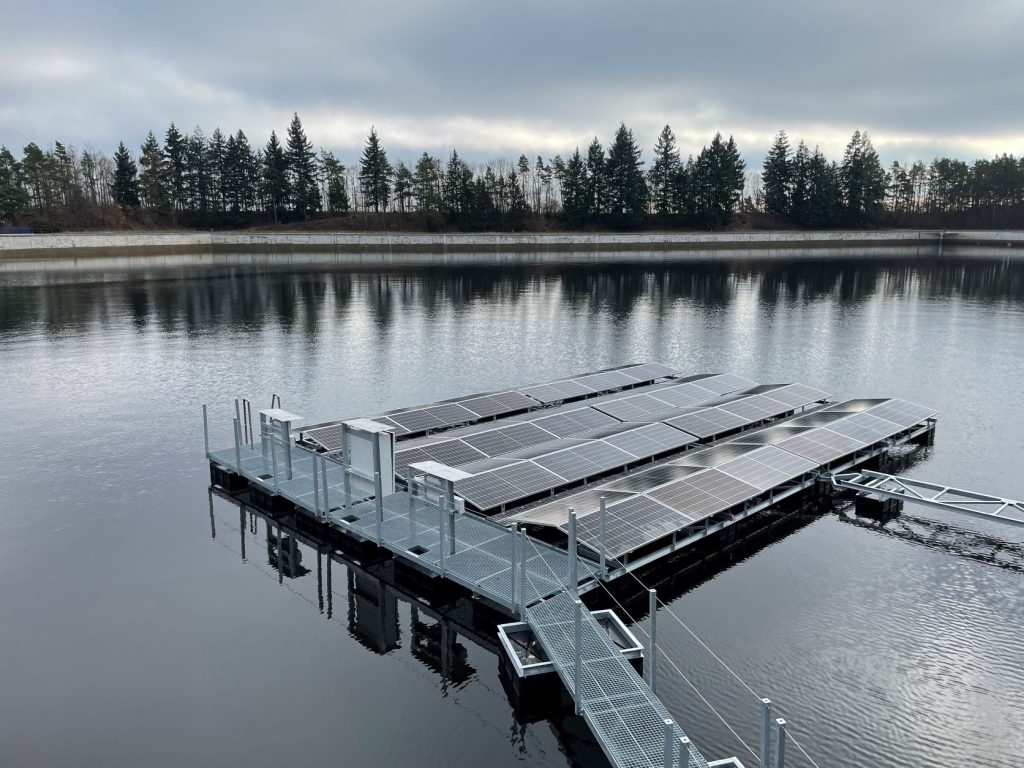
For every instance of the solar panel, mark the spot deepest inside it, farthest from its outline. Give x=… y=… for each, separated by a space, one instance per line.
x=528 y=478
x=707 y=422
x=650 y=478
x=329 y=438
x=629 y=524
x=493 y=442
x=684 y=394
x=902 y=412
x=650 y=440
x=555 y=391
x=687 y=499
x=453 y=453
x=498 y=404
x=817 y=419
x=568 y=465
x=648 y=371
x=797 y=395
x=820 y=445
x=633 y=407
x=723 y=486
x=416 y=421
x=720 y=383
x=526 y=434
x=767 y=467
x=603 y=455
x=600 y=382
x=755 y=408
x=864 y=427
x=575 y=421
x=486 y=491
x=856 y=406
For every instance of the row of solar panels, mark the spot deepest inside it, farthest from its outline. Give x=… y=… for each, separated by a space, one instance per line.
x=467 y=410
x=505 y=476
x=654 y=503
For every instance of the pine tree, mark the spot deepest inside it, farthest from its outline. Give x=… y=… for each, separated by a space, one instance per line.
x=799 y=193
x=718 y=180
x=455 y=191
x=777 y=177
x=427 y=184
x=153 y=178
x=13 y=198
x=824 y=192
x=334 y=183
x=863 y=181
x=215 y=154
x=627 y=188
x=575 y=194
x=375 y=174
x=403 y=187
x=175 y=148
x=664 y=172
x=125 y=188
x=275 y=175
x=302 y=183
x=517 y=206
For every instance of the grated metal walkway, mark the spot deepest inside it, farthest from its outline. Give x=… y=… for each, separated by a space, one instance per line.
x=527 y=576
x=625 y=715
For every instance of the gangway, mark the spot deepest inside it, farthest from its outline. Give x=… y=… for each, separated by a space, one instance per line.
x=934 y=495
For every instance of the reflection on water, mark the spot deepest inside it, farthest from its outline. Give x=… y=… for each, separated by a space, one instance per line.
x=894 y=644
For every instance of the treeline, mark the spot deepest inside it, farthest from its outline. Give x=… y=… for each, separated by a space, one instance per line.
x=222 y=180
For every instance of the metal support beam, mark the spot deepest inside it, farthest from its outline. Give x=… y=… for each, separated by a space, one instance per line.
x=286 y=442
x=577 y=693
x=524 y=556
x=206 y=430
x=573 y=582
x=766 y=732
x=684 y=752
x=327 y=487
x=603 y=538
x=981 y=505
x=780 y=746
x=378 y=493
x=652 y=597
x=316 y=486
x=512 y=565
x=238 y=448
x=670 y=747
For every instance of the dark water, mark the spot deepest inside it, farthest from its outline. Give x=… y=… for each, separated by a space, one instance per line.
x=134 y=633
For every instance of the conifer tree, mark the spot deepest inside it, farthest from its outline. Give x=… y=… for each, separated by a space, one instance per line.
x=375 y=174
x=597 y=180
x=302 y=183
x=627 y=188
x=664 y=172
x=800 y=190
x=575 y=194
x=863 y=181
x=275 y=175
x=153 y=178
x=125 y=188
x=403 y=187
x=427 y=184
x=215 y=159
x=777 y=177
x=334 y=183
x=175 y=148
x=13 y=198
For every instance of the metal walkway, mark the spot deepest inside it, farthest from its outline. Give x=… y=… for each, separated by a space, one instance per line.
x=933 y=495
x=522 y=574
x=628 y=720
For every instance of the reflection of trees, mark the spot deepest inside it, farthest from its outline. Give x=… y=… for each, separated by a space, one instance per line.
x=241 y=300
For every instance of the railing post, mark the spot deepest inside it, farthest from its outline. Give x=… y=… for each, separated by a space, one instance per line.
x=206 y=431
x=316 y=485
x=780 y=746
x=263 y=440
x=604 y=537
x=512 y=566
x=523 y=557
x=327 y=487
x=273 y=455
x=652 y=599
x=766 y=732
x=346 y=463
x=440 y=532
x=238 y=450
x=380 y=507
x=669 y=745
x=684 y=752
x=573 y=581
x=577 y=693
x=449 y=494
x=286 y=444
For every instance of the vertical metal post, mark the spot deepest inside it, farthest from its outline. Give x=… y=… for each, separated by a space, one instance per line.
x=378 y=491
x=440 y=531
x=670 y=747
x=573 y=581
x=512 y=566
x=449 y=494
x=766 y=732
x=238 y=413
x=684 y=752
x=604 y=537
x=780 y=746
x=523 y=557
x=652 y=597
x=346 y=464
x=286 y=441
x=273 y=456
x=327 y=489
x=238 y=450
x=263 y=440
x=206 y=431
x=577 y=693
x=316 y=485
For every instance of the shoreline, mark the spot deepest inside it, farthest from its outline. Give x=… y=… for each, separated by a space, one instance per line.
x=365 y=249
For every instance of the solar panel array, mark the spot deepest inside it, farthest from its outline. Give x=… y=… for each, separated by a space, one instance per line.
x=468 y=410
x=687 y=489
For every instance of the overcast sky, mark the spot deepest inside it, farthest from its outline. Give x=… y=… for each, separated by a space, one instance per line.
x=495 y=79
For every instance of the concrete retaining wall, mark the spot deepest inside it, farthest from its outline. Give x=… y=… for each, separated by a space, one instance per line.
x=415 y=249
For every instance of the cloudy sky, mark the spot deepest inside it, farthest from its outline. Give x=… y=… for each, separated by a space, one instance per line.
x=495 y=79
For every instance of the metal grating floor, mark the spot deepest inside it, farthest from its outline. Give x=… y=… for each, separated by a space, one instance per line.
x=479 y=556
x=625 y=715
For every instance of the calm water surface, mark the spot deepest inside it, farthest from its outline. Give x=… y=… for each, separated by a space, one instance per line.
x=133 y=630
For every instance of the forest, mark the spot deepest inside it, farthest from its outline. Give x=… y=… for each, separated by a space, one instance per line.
x=221 y=181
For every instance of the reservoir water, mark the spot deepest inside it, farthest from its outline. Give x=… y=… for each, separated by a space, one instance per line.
x=135 y=631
